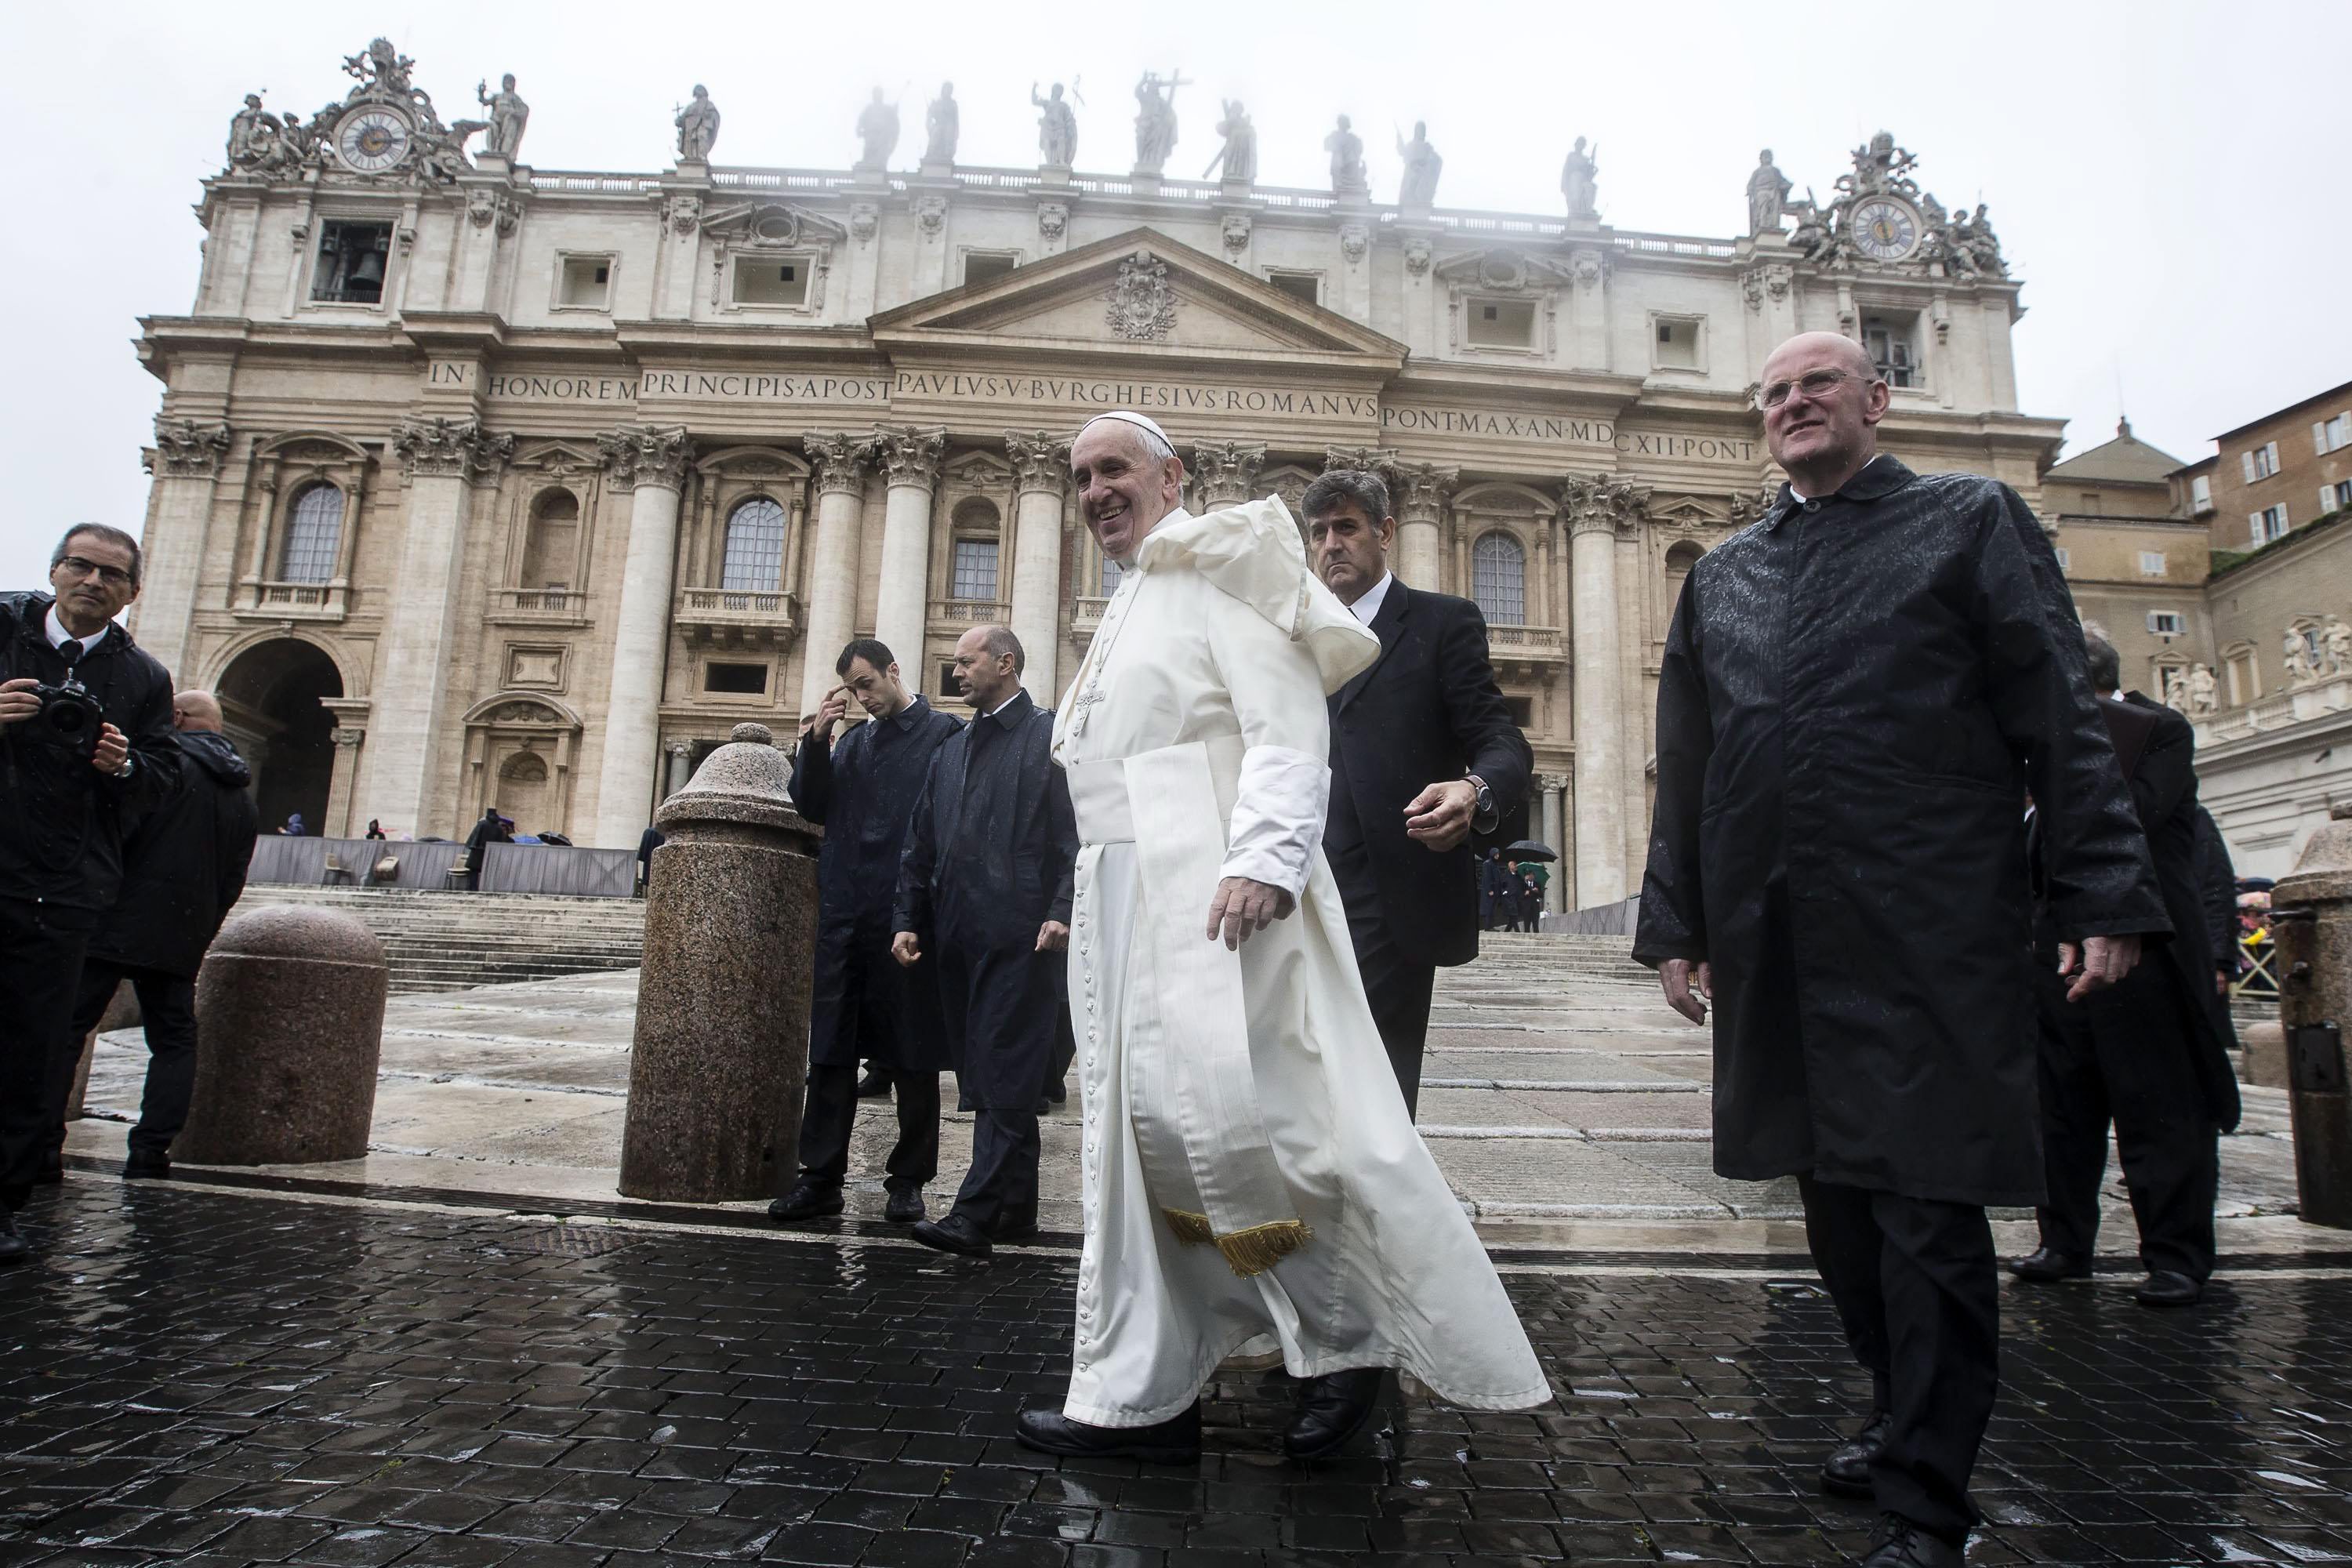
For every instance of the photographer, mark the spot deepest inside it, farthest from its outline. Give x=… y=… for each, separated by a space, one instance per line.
x=85 y=749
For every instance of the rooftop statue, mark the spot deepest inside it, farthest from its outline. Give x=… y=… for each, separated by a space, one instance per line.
x=383 y=72
x=1880 y=165
x=1155 y=120
x=943 y=124
x=877 y=128
x=252 y=134
x=1767 y=196
x=698 y=127
x=1579 y=181
x=1422 y=167
x=1057 y=128
x=1239 y=155
x=1346 y=150
x=509 y=115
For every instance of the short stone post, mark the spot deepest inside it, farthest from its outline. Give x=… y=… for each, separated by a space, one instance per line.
x=289 y=1027
x=720 y=1062
x=2311 y=920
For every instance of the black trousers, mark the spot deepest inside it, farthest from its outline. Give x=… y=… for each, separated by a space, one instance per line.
x=2123 y=1055
x=1000 y=1191
x=832 y=1113
x=167 y=1007
x=41 y=949
x=1918 y=1288
x=1397 y=987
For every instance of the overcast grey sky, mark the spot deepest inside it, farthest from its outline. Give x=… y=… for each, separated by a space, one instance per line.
x=2167 y=179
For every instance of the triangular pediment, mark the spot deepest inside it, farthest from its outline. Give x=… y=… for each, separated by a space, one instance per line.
x=1139 y=291
x=1503 y=269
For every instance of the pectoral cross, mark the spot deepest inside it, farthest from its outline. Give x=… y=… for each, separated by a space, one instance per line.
x=1082 y=705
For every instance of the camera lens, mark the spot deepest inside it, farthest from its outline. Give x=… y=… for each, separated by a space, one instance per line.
x=69 y=717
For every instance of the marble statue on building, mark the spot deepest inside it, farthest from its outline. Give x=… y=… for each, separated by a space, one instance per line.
x=1238 y=156
x=1880 y=165
x=1767 y=196
x=1155 y=120
x=509 y=115
x=2176 y=691
x=1346 y=150
x=2295 y=652
x=252 y=132
x=698 y=127
x=943 y=124
x=1057 y=128
x=1983 y=246
x=2335 y=647
x=878 y=132
x=1422 y=167
x=1579 y=181
x=383 y=72
x=2202 y=689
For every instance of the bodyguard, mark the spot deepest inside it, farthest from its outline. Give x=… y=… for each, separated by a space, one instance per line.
x=864 y=1007
x=1855 y=694
x=984 y=893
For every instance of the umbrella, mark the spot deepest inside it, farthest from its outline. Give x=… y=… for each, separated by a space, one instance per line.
x=1530 y=849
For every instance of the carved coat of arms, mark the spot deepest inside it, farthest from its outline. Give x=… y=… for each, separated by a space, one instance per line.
x=1142 y=305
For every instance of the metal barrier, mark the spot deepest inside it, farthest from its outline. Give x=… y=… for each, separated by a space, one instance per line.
x=2255 y=974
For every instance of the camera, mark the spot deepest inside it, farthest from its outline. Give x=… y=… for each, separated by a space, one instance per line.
x=70 y=715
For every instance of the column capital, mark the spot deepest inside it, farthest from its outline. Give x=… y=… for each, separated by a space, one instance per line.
x=1602 y=503
x=343 y=735
x=1226 y=470
x=638 y=454
x=1041 y=461
x=909 y=454
x=840 y=459
x=451 y=448
x=186 y=450
x=1377 y=460
x=1421 y=489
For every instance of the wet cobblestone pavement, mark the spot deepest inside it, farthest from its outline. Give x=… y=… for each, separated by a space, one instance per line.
x=210 y=1378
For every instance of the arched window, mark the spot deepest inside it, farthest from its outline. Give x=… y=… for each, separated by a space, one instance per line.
x=1681 y=556
x=1498 y=579
x=755 y=547
x=552 y=545
x=314 y=536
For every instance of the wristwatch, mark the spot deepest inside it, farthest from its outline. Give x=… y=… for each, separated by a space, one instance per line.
x=124 y=771
x=1482 y=814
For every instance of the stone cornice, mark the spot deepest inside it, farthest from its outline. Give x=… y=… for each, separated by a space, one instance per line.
x=638 y=454
x=454 y=448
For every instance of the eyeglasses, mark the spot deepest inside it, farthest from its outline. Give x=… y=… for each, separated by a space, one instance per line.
x=1813 y=383
x=112 y=576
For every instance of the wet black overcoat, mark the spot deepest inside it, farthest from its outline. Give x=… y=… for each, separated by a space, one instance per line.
x=862 y=793
x=989 y=860
x=1856 y=693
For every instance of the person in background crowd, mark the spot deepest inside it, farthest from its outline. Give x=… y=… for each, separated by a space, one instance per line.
x=2151 y=1054
x=1423 y=752
x=984 y=888
x=1542 y=875
x=1854 y=694
x=1494 y=891
x=491 y=829
x=79 y=769
x=651 y=839
x=1530 y=902
x=2216 y=882
x=863 y=794
x=183 y=867
x=375 y=828
x=293 y=828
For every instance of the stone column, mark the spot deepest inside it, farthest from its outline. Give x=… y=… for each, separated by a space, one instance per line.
x=1041 y=467
x=187 y=461
x=1554 y=821
x=649 y=467
x=680 y=755
x=1225 y=472
x=1420 y=500
x=348 y=739
x=721 y=1058
x=445 y=460
x=2311 y=917
x=909 y=460
x=1595 y=509
x=840 y=463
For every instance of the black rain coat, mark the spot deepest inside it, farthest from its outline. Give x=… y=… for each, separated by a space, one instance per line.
x=185 y=864
x=1856 y=693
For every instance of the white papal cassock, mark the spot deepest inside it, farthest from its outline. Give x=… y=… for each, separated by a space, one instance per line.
x=1253 y=1180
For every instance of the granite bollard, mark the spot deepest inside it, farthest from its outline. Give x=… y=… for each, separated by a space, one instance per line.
x=2311 y=918
x=289 y=1027
x=721 y=1061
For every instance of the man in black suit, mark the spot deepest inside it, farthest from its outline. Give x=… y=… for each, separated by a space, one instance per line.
x=2149 y=1053
x=1423 y=752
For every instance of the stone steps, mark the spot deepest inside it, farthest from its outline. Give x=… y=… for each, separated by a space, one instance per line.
x=437 y=941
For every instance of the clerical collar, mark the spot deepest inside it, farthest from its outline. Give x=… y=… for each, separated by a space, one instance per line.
x=994 y=713
x=1801 y=497
x=904 y=716
x=1374 y=597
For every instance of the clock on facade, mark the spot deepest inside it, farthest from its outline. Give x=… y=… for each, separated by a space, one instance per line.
x=372 y=139
x=1882 y=229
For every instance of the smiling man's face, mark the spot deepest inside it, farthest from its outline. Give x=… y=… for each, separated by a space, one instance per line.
x=1124 y=486
x=1822 y=436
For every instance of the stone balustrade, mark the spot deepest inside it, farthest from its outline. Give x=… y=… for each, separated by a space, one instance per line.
x=947 y=615
x=738 y=617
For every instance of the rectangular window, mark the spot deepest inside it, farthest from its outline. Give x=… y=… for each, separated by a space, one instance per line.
x=1522 y=710
x=2335 y=496
x=1677 y=345
x=2065 y=560
x=763 y=280
x=2165 y=622
x=975 y=570
x=586 y=283
x=2332 y=435
x=2261 y=462
x=1892 y=342
x=2091 y=502
x=736 y=679
x=2151 y=562
x=1502 y=323
x=351 y=261
x=2269 y=523
x=2201 y=494
x=1305 y=287
x=980 y=265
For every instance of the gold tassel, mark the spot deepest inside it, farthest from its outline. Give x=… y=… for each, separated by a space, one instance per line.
x=1260 y=1248
x=1191 y=1229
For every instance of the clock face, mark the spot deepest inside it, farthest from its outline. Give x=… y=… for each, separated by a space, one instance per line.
x=372 y=139
x=1884 y=230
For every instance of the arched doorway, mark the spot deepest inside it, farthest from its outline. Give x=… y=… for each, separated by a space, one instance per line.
x=270 y=707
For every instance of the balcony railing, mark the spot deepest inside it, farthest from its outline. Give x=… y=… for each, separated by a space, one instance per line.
x=294 y=601
x=969 y=612
x=539 y=607
x=1527 y=644
x=2328 y=694
x=1086 y=616
x=733 y=617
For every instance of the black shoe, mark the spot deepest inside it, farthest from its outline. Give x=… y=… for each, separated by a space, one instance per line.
x=1900 y=1543
x=1176 y=1441
x=807 y=1200
x=904 y=1207
x=1057 y=1091
x=147 y=1165
x=2163 y=1288
x=1846 y=1472
x=874 y=1084
x=1011 y=1233
x=14 y=1247
x=953 y=1233
x=1042 y=1108
x=1331 y=1409
x=2047 y=1265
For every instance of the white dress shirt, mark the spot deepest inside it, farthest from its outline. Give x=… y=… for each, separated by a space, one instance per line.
x=1374 y=597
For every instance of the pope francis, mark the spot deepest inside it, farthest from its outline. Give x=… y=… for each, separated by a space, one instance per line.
x=1253 y=1182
